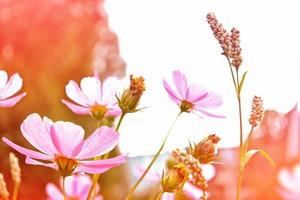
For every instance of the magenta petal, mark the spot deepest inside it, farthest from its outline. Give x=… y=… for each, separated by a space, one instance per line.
x=53 y=192
x=79 y=110
x=13 y=86
x=100 y=166
x=103 y=140
x=180 y=82
x=78 y=185
x=75 y=93
x=67 y=138
x=196 y=93
x=173 y=96
x=26 y=152
x=35 y=162
x=36 y=131
x=209 y=114
x=11 y=101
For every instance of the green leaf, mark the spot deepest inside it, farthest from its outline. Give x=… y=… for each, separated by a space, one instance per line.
x=252 y=152
x=242 y=82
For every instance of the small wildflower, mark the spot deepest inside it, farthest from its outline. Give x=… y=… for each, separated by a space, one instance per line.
x=131 y=97
x=175 y=178
x=8 y=88
x=206 y=149
x=93 y=97
x=15 y=168
x=257 y=111
x=3 y=189
x=62 y=146
x=191 y=98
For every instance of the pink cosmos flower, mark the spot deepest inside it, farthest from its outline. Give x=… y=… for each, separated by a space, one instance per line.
x=93 y=97
x=9 y=88
x=62 y=146
x=76 y=187
x=193 y=97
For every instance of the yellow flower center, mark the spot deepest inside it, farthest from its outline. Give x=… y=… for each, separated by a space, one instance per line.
x=186 y=106
x=66 y=166
x=98 y=111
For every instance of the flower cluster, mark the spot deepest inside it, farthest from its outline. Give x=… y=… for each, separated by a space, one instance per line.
x=257 y=111
x=230 y=43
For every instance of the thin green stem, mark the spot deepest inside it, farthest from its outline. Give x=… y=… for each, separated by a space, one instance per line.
x=232 y=75
x=129 y=196
x=92 y=192
x=16 y=190
x=241 y=170
x=159 y=195
x=64 y=190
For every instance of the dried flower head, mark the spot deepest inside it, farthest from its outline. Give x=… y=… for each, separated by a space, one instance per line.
x=235 y=50
x=220 y=33
x=131 y=96
x=257 y=111
x=193 y=165
x=175 y=178
x=15 y=169
x=3 y=189
x=205 y=151
x=230 y=42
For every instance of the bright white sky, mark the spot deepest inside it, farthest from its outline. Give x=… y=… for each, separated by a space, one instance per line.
x=158 y=36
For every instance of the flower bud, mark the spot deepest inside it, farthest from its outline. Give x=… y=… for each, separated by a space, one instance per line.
x=257 y=111
x=175 y=178
x=3 y=189
x=14 y=168
x=131 y=96
x=206 y=149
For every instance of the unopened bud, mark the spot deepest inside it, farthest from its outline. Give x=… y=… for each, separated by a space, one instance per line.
x=257 y=111
x=132 y=95
x=3 y=189
x=14 y=168
x=206 y=149
x=175 y=178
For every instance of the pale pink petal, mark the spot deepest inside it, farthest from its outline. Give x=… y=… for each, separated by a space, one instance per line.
x=103 y=140
x=91 y=88
x=209 y=113
x=113 y=111
x=168 y=196
x=26 y=152
x=79 y=110
x=180 y=82
x=109 y=90
x=75 y=93
x=212 y=100
x=13 y=86
x=67 y=138
x=31 y=161
x=191 y=191
x=3 y=79
x=53 y=192
x=196 y=93
x=100 y=166
x=78 y=185
x=36 y=132
x=11 y=101
x=173 y=96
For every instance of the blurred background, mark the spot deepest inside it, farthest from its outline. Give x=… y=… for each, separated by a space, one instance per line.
x=53 y=41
